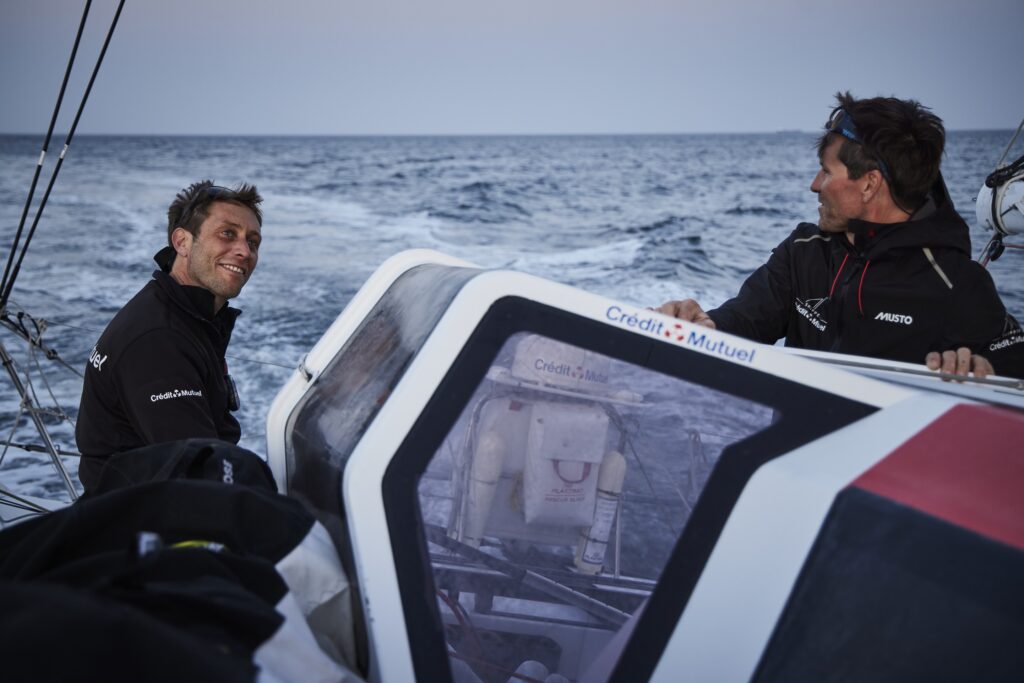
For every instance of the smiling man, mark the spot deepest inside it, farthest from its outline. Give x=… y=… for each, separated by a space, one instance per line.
x=887 y=271
x=158 y=372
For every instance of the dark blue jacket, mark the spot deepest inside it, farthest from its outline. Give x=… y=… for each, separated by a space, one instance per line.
x=157 y=374
x=900 y=291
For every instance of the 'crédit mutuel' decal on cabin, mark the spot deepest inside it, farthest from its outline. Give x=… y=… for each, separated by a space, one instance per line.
x=675 y=332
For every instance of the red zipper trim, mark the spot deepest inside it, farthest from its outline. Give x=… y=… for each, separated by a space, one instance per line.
x=861 y=286
x=836 y=278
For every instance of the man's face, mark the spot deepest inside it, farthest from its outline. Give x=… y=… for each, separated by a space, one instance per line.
x=224 y=253
x=840 y=197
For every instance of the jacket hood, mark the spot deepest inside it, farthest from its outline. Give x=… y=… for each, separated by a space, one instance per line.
x=936 y=224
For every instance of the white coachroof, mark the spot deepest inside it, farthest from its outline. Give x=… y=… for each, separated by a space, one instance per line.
x=445 y=398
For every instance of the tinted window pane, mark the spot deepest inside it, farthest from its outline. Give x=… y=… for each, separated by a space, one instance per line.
x=556 y=499
x=334 y=415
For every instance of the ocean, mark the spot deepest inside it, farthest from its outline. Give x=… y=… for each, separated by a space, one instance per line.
x=642 y=219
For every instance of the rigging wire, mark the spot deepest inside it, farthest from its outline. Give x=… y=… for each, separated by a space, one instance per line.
x=13 y=500
x=35 y=341
x=27 y=391
x=13 y=520
x=42 y=323
x=58 y=412
x=30 y=403
x=10 y=437
x=46 y=145
x=50 y=321
x=40 y=448
x=261 y=362
x=1002 y=174
x=999 y=164
x=5 y=294
x=627 y=425
x=17 y=326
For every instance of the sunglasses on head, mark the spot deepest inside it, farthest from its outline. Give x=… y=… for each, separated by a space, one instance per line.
x=841 y=122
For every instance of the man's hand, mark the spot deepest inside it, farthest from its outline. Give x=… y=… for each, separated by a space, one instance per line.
x=688 y=310
x=959 y=362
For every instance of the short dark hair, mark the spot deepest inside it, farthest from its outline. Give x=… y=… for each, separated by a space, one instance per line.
x=192 y=204
x=906 y=136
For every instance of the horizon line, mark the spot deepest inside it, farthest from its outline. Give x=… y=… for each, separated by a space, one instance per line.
x=793 y=131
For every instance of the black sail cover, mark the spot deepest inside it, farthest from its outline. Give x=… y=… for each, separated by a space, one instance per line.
x=201 y=573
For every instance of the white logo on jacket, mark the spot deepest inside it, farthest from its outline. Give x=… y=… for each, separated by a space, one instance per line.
x=895 y=318
x=175 y=393
x=97 y=360
x=808 y=308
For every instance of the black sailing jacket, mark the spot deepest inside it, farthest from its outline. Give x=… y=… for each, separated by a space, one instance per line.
x=157 y=374
x=898 y=292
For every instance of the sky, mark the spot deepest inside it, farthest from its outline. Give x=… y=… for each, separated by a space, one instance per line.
x=383 y=67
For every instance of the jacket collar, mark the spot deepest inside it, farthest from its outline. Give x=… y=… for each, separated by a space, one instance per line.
x=935 y=223
x=197 y=303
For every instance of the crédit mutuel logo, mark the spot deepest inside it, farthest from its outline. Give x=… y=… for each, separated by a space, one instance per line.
x=570 y=371
x=97 y=359
x=176 y=393
x=651 y=324
x=808 y=308
x=1011 y=336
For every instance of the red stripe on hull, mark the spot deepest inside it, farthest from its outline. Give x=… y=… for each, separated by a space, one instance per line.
x=966 y=467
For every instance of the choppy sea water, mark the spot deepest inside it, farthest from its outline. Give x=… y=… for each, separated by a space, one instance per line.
x=637 y=218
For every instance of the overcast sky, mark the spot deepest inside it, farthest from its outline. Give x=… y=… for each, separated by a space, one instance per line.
x=524 y=66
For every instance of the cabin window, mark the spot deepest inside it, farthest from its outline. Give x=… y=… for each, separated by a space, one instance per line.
x=334 y=414
x=554 y=503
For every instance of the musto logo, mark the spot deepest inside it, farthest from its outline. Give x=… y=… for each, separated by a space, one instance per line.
x=895 y=318
x=677 y=332
x=176 y=393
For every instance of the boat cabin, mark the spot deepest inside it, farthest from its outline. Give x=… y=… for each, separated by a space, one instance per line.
x=526 y=481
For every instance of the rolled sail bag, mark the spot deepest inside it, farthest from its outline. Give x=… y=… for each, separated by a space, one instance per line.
x=203 y=573
x=565 y=446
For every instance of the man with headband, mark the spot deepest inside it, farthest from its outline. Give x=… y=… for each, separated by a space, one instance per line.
x=887 y=271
